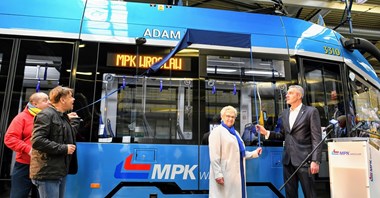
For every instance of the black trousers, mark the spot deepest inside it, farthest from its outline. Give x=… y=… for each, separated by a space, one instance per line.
x=304 y=176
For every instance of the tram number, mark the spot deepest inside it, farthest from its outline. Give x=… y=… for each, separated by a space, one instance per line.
x=331 y=51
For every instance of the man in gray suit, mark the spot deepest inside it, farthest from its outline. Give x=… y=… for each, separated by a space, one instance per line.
x=301 y=129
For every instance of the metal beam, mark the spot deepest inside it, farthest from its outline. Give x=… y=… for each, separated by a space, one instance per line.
x=318 y=4
x=322 y=12
x=360 y=32
x=231 y=2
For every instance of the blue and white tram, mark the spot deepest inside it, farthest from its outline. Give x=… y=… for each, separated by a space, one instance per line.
x=142 y=125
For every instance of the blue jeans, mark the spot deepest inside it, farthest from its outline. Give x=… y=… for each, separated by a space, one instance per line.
x=49 y=188
x=21 y=184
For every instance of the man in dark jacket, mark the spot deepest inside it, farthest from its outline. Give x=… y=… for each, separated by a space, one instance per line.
x=53 y=143
x=301 y=129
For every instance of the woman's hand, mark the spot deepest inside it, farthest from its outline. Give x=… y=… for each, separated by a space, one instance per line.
x=220 y=180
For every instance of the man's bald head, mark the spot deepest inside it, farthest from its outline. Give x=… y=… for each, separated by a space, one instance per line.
x=39 y=100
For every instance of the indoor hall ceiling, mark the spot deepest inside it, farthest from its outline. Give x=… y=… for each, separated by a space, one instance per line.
x=365 y=17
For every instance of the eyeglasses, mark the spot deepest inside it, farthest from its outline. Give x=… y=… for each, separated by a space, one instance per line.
x=230 y=116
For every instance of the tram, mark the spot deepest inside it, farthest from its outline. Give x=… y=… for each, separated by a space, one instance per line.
x=150 y=81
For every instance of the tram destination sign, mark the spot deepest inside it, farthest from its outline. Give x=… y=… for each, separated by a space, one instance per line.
x=145 y=61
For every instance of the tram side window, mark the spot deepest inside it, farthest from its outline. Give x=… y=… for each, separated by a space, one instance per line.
x=137 y=108
x=268 y=102
x=220 y=93
x=366 y=105
x=374 y=99
x=5 y=61
x=147 y=110
x=41 y=66
x=256 y=102
x=247 y=84
x=85 y=84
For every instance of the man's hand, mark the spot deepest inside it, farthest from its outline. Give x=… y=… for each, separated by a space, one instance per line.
x=72 y=115
x=259 y=150
x=261 y=129
x=314 y=168
x=70 y=149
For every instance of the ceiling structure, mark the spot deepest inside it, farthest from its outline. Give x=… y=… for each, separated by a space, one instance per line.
x=364 y=17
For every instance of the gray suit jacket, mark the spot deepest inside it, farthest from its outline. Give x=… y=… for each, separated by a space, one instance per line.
x=303 y=138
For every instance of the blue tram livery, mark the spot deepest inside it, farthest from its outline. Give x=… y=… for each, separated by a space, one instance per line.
x=150 y=81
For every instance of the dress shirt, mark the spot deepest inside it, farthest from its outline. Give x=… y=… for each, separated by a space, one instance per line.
x=292 y=118
x=293 y=115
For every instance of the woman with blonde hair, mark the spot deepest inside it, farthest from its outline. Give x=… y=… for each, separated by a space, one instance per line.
x=227 y=158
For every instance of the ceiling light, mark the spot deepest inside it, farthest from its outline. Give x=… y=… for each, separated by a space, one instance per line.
x=361 y=1
x=220 y=70
x=261 y=72
x=223 y=61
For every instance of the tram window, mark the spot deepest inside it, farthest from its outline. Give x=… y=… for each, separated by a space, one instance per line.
x=220 y=93
x=324 y=89
x=250 y=98
x=366 y=102
x=42 y=68
x=3 y=77
x=147 y=110
x=373 y=98
x=241 y=66
x=1 y=60
x=5 y=62
x=360 y=96
x=334 y=95
x=5 y=68
x=41 y=65
x=268 y=102
x=238 y=81
x=85 y=84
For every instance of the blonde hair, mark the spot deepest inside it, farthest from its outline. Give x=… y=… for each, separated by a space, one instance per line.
x=228 y=108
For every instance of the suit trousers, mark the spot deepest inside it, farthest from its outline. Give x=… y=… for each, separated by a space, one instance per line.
x=304 y=176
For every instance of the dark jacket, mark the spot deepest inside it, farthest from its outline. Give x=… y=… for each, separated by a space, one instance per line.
x=303 y=138
x=51 y=133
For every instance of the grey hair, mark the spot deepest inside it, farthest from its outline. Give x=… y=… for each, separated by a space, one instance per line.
x=299 y=89
x=228 y=108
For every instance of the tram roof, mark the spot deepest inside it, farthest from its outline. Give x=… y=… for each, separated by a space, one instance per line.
x=123 y=22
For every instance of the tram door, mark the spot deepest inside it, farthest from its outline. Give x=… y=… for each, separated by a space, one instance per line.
x=5 y=68
x=324 y=89
x=26 y=67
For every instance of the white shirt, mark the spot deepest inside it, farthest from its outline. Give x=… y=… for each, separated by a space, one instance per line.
x=292 y=118
x=293 y=115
